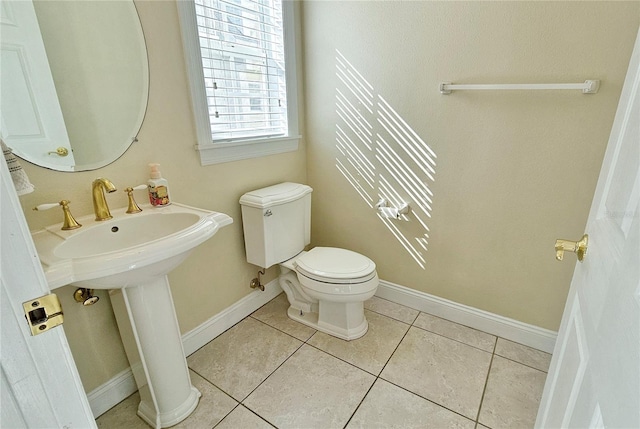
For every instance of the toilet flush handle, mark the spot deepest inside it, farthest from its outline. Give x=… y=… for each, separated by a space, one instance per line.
x=268 y=212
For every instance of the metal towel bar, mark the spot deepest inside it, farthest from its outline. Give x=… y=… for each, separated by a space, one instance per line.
x=588 y=87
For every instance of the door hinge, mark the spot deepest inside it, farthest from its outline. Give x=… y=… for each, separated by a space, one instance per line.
x=43 y=313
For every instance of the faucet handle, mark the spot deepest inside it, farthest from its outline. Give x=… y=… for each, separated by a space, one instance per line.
x=69 y=221
x=46 y=206
x=133 y=206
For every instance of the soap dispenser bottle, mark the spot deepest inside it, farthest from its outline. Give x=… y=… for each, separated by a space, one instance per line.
x=158 y=187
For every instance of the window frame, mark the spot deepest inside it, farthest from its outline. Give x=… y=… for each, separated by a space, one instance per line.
x=215 y=152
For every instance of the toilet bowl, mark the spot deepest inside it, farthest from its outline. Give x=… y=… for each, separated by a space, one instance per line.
x=326 y=286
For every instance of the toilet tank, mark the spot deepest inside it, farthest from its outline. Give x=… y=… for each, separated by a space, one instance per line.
x=277 y=222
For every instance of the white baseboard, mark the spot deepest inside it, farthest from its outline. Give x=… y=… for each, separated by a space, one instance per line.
x=510 y=329
x=103 y=398
x=122 y=385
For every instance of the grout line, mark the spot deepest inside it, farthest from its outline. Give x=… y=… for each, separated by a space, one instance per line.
x=226 y=415
x=394 y=350
x=342 y=360
x=486 y=383
x=457 y=341
x=521 y=363
x=270 y=374
x=377 y=377
x=391 y=317
x=258 y=415
x=360 y=403
x=214 y=385
x=427 y=399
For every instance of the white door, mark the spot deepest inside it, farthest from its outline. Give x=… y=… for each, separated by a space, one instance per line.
x=31 y=118
x=594 y=379
x=40 y=384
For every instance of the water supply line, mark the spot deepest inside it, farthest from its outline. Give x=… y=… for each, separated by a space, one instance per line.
x=256 y=283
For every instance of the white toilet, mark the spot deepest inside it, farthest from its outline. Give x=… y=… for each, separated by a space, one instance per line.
x=325 y=286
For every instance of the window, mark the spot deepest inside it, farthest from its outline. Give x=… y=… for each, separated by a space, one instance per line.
x=241 y=61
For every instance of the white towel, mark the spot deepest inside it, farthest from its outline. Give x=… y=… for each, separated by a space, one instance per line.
x=19 y=176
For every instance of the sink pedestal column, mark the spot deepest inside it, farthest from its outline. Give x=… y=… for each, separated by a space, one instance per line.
x=149 y=329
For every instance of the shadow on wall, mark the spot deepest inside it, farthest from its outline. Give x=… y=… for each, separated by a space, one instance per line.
x=381 y=156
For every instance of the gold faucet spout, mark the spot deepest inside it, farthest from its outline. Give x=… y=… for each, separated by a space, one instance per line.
x=100 y=206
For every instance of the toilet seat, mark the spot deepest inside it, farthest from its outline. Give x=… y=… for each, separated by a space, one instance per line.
x=336 y=266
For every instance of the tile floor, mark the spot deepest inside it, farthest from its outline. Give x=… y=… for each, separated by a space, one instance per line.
x=411 y=370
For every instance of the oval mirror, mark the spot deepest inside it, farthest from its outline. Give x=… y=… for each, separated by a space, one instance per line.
x=88 y=111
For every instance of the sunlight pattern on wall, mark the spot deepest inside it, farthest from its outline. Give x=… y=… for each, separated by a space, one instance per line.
x=381 y=156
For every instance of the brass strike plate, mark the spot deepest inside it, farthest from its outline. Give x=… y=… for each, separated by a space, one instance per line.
x=43 y=313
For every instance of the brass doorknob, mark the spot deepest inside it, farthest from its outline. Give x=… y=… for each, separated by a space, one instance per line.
x=61 y=151
x=578 y=247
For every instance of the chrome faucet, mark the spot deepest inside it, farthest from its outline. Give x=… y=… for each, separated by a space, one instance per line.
x=100 y=206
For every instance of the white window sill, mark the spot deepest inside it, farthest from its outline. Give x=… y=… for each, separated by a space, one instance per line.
x=217 y=153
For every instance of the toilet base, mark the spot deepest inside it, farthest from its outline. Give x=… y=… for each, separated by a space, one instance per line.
x=311 y=319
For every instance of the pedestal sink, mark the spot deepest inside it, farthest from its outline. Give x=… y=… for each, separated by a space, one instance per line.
x=131 y=256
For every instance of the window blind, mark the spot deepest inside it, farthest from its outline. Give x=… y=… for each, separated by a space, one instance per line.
x=242 y=50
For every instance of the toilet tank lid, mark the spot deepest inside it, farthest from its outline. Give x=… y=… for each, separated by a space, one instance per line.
x=275 y=195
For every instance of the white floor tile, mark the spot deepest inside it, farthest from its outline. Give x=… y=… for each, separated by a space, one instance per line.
x=432 y=375
x=444 y=371
x=310 y=390
x=388 y=406
x=523 y=354
x=214 y=404
x=513 y=395
x=241 y=358
x=123 y=415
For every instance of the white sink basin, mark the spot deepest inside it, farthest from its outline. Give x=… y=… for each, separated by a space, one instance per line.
x=115 y=236
x=125 y=250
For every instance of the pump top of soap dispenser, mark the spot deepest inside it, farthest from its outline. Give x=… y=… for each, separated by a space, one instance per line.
x=155 y=171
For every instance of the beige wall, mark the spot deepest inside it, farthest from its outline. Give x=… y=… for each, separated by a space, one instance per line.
x=216 y=275
x=513 y=171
